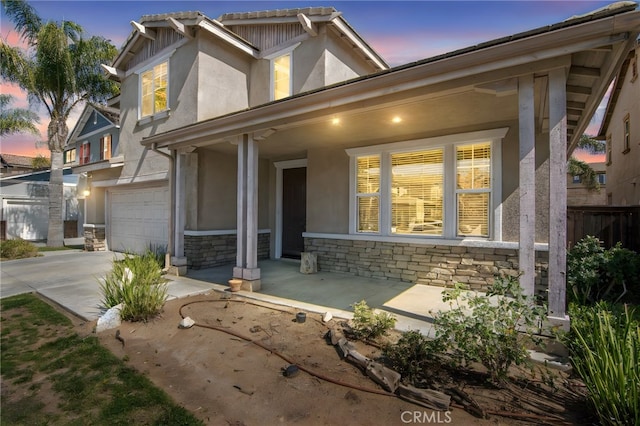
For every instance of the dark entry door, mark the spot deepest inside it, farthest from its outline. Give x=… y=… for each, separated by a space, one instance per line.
x=294 y=211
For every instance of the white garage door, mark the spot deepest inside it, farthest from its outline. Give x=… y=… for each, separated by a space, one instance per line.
x=138 y=219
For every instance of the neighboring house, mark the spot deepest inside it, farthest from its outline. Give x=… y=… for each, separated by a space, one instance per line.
x=276 y=132
x=621 y=130
x=15 y=164
x=93 y=147
x=25 y=205
x=579 y=195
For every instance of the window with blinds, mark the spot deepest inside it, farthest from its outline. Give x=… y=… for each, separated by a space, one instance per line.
x=473 y=189
x=282 y=77
x=442 y=187
x=154 y=90
x=417 y=180
x=368 y=193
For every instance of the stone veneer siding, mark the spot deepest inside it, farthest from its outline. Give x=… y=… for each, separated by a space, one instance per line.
x=94 y=238
x=208 y=251
x=438 y=265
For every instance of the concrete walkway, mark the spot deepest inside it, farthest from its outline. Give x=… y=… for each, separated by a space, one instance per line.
x=71 y=279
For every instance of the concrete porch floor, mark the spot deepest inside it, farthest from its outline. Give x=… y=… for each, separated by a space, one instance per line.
x=283 y=283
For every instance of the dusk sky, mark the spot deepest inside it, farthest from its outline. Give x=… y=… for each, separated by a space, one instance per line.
x=400 y=31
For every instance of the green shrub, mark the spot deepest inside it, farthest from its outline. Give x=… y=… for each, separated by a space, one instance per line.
x=413 y=356
x=594 y=273
x=17 y=249
x=493 y=329
x=368 y=324
x=136 y=282
x=604 y=343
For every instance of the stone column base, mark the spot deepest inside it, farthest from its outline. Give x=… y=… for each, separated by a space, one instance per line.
x=251 y=285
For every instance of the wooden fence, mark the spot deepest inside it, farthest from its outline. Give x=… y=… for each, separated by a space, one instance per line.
x=611 y=224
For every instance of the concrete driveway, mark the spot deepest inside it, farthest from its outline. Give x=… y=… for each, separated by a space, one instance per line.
x=70 y=279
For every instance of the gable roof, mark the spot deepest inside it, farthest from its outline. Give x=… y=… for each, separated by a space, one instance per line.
x=592 y=47
x=182 y=24
x=112 y=115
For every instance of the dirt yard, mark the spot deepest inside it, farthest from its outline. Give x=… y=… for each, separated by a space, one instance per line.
x=224 y=379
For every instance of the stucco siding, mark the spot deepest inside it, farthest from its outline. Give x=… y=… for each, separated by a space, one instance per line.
x=217 y=189
x=328 y=191
x=623 y=172
x=141 y=163
x=217 y=183
x=223 y=80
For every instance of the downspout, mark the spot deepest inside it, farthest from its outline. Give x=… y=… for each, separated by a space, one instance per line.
x=172 y=202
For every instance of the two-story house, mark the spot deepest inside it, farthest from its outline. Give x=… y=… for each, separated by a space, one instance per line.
x=270 y=133
x=183 y=68
x=621 y=130
x=92 y=147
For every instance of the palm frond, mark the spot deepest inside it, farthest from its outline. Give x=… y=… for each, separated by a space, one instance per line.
x=16 y=120
x=24 y=18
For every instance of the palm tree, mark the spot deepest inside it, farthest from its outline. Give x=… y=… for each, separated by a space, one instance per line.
x=16 y=120
x=60 y=69
x=583 y=169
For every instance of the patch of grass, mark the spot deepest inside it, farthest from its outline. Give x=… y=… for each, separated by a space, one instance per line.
x=90 y=385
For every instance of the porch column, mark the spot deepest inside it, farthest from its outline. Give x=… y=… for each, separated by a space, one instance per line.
x=180 y=206
x=527 y=170
x=247 y=215
x=557 y=195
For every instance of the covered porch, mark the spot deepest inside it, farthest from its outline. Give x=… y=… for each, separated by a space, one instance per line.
x=283 y=283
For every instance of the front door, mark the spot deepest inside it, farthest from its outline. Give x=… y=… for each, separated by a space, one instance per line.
x=294 y=211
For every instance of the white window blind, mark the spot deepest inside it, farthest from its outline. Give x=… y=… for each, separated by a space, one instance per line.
x=473 y=188
x=417 y=180
x=154 y=90
x=282 y=77
x=368 y=193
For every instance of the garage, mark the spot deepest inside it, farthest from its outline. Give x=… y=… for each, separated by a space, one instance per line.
x=138 y=219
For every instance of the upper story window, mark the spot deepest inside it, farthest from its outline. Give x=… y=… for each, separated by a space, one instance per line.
x=281 y=76
x=441 y=187
x=85 y=153
x=70 y=156
x=626 y=134
x=602 y=178
x=153 y=89
x=105 y=147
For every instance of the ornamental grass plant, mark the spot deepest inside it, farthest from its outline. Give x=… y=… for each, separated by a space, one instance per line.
x=137 y=283
x=604 y=343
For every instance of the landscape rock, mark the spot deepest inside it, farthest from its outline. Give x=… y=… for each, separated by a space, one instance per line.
x=110 y=319
x=186 y=322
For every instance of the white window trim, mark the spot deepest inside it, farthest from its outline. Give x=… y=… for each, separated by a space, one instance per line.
x=272 y=57
x=157 y=61
x=448 y=143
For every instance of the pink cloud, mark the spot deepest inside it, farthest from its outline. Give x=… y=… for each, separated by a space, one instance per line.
x=588 y=157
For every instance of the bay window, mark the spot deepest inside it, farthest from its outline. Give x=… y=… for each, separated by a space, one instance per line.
x=446 y=187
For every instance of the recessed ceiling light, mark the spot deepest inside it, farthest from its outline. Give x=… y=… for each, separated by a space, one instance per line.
x=396 y=119
x=335 y=121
